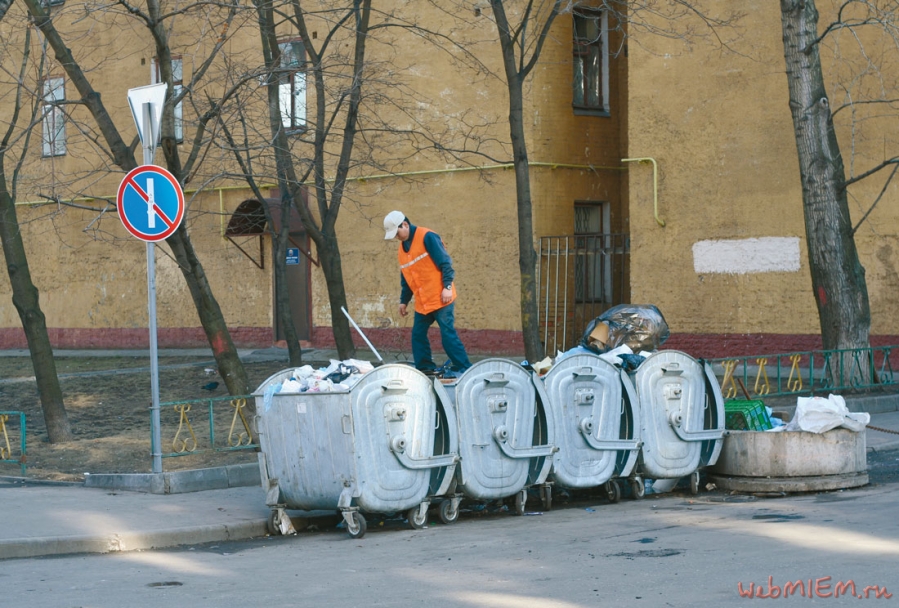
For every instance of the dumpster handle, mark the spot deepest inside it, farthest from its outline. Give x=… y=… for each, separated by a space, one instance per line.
x=432 y=462
x=395 y=384
x=497 y=378
x=586 y=429
x=703 y=435
x=501 y=436
x=585 y=372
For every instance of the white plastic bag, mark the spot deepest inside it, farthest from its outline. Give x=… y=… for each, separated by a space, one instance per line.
x=291 y=386
x=362 y=366
x=302 y=372
x=819 y=415
x=612 y=355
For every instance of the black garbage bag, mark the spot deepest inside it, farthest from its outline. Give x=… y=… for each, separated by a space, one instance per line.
x=640 y=326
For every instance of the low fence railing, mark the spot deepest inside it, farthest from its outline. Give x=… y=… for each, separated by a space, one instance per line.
x=806 y=372
x=224 y=430
x=8 y=439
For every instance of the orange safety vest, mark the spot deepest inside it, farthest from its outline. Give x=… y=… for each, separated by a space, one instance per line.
x=422 y=275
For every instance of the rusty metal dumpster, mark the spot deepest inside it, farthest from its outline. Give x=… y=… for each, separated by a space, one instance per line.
x=597 y=421
x=505 y=437
x=383 y=446
x=681 y=414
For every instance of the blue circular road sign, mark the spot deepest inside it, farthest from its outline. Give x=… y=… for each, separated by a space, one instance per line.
x=150 y=203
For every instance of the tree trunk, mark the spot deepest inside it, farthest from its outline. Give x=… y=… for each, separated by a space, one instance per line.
x=838 y=278
x=332 y=268
x=527 y=256
x=26 y=300
x=282 y=293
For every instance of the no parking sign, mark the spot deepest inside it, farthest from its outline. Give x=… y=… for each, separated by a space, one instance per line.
x=150 y=203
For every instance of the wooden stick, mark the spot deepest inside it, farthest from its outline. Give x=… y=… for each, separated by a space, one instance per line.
x=743 y=386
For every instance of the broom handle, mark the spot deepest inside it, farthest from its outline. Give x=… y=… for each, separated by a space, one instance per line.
x=742 y=386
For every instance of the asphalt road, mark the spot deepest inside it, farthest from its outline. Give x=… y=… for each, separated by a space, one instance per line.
x=883 y=467
x=667 y=550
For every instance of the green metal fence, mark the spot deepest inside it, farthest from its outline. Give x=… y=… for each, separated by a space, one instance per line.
x=8 y=439
x=807 y=372
x=223 y=420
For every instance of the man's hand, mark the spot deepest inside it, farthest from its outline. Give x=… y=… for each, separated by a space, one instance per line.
x=446 y=296
x=403 y=311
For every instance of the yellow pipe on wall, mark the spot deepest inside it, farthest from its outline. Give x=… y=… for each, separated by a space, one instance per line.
x=655 y=184
x=365 y=178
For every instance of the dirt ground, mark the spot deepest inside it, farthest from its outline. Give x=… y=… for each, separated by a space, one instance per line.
x=107 y=400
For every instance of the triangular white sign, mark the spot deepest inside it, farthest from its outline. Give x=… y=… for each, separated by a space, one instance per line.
x=153 y=94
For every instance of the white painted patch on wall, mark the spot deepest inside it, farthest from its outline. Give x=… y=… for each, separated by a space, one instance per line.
x=744 y=256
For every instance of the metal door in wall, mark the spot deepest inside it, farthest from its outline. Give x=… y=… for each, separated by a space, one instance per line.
x=298 y=288
x=578 y=278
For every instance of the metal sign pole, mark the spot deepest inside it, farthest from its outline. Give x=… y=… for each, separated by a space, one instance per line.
x=149 y=147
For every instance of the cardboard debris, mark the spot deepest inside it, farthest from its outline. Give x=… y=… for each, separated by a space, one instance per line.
x=543 y=366
x=599 y=337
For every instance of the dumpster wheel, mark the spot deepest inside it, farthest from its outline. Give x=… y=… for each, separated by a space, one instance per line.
x=638 y=488
x=417 y=519
x=694 y=483
x=520 y=502
x=358 y=527
x=613 y=491
x=448 y=514
x=547 y=496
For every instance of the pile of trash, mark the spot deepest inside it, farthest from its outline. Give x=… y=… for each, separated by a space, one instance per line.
x=820 y=414
x=339 y=376
x=624 y=336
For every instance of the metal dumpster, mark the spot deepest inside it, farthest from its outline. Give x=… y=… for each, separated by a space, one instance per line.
x=383 y=446
x=681 y=414
x=597 y=421
x=505 y=436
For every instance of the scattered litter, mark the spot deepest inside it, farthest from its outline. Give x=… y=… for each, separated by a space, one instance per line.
x=819 y=415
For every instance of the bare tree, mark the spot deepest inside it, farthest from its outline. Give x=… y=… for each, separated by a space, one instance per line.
x=327 y=193
x=122 y=154
x=25 y=294
x=838 y=278
x=280 y=238
x=521 y=50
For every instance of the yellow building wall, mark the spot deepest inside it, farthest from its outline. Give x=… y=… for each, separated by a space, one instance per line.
x=718 y=123
x=88 y=283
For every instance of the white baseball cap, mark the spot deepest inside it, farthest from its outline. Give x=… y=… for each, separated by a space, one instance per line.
x=392 y=223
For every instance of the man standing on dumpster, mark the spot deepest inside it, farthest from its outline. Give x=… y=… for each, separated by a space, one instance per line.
x=426 y=273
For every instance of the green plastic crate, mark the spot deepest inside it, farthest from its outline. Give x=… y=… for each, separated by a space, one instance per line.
x=746 y=415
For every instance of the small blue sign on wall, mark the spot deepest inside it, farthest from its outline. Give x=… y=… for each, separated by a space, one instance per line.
x=293 y=256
